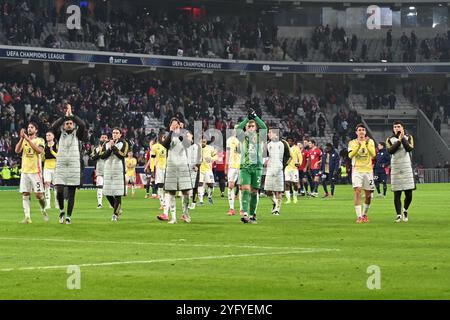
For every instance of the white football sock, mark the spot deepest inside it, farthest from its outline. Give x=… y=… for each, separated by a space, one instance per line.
x=274 y=199
x=26 y=206
x=185 y=204
x=161 y=197
x=231 y=197
x=358 y=211
x=210 y=192
x=288 y=195
x=201 y=193
x=42 y=203
x=366 y=208
x=48 y=196
x=100 y=196
x=173 y=206
x=167 y=203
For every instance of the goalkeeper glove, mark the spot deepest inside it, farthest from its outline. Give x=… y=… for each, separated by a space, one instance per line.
x=252 y=114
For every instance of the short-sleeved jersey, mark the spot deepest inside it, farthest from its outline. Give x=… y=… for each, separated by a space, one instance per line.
x=219 y=163
x=296 y=158
x=207 y=152
x=234 y=160
x=361 y=159
x=316 y=155
x=130 y=166
x=159 y=154
x=305 y=157
x=50 y=157
x=31 y=160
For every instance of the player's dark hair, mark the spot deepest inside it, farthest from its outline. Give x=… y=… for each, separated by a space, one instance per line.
x=313 y=141
x=34 y=125
x=329 y=145
x=174 y=119
x=398 y=122
x=360 y=125
x=118 y=129
x=383 y=144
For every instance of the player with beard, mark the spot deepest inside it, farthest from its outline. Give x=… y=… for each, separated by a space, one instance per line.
x=68 y=160
x=31 y=147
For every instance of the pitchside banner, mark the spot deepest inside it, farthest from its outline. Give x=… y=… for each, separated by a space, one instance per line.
x=111 y=58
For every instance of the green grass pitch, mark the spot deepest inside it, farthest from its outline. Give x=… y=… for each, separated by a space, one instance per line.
x=313 y=250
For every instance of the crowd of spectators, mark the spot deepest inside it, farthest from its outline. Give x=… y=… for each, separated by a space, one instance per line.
x=434 y=103
x=337 y=46
x=129 y=102
x=381 y=101
x=305 y=115
x=146 y=32
x=122 y=101
x=180 y=33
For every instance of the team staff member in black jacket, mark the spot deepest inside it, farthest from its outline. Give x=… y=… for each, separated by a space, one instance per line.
x=382 y=163
x=330 y=166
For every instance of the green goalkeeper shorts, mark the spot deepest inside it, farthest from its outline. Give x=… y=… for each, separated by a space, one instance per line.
x=251 y=176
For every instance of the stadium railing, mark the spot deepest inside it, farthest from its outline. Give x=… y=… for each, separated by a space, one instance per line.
x=434 y=176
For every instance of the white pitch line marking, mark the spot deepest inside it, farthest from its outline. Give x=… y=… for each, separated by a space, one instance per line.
x=164 y=244
x=114 y=263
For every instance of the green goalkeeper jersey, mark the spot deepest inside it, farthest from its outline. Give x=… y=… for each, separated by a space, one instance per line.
x=251 y=146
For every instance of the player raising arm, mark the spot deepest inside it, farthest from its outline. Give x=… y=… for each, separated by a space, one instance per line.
x=251 y=163
x=68 y=160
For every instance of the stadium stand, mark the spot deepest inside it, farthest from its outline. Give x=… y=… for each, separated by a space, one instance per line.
x=244 y=37
x=144 y=106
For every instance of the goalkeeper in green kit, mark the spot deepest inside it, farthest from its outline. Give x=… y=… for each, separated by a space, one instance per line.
x=251 y=150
